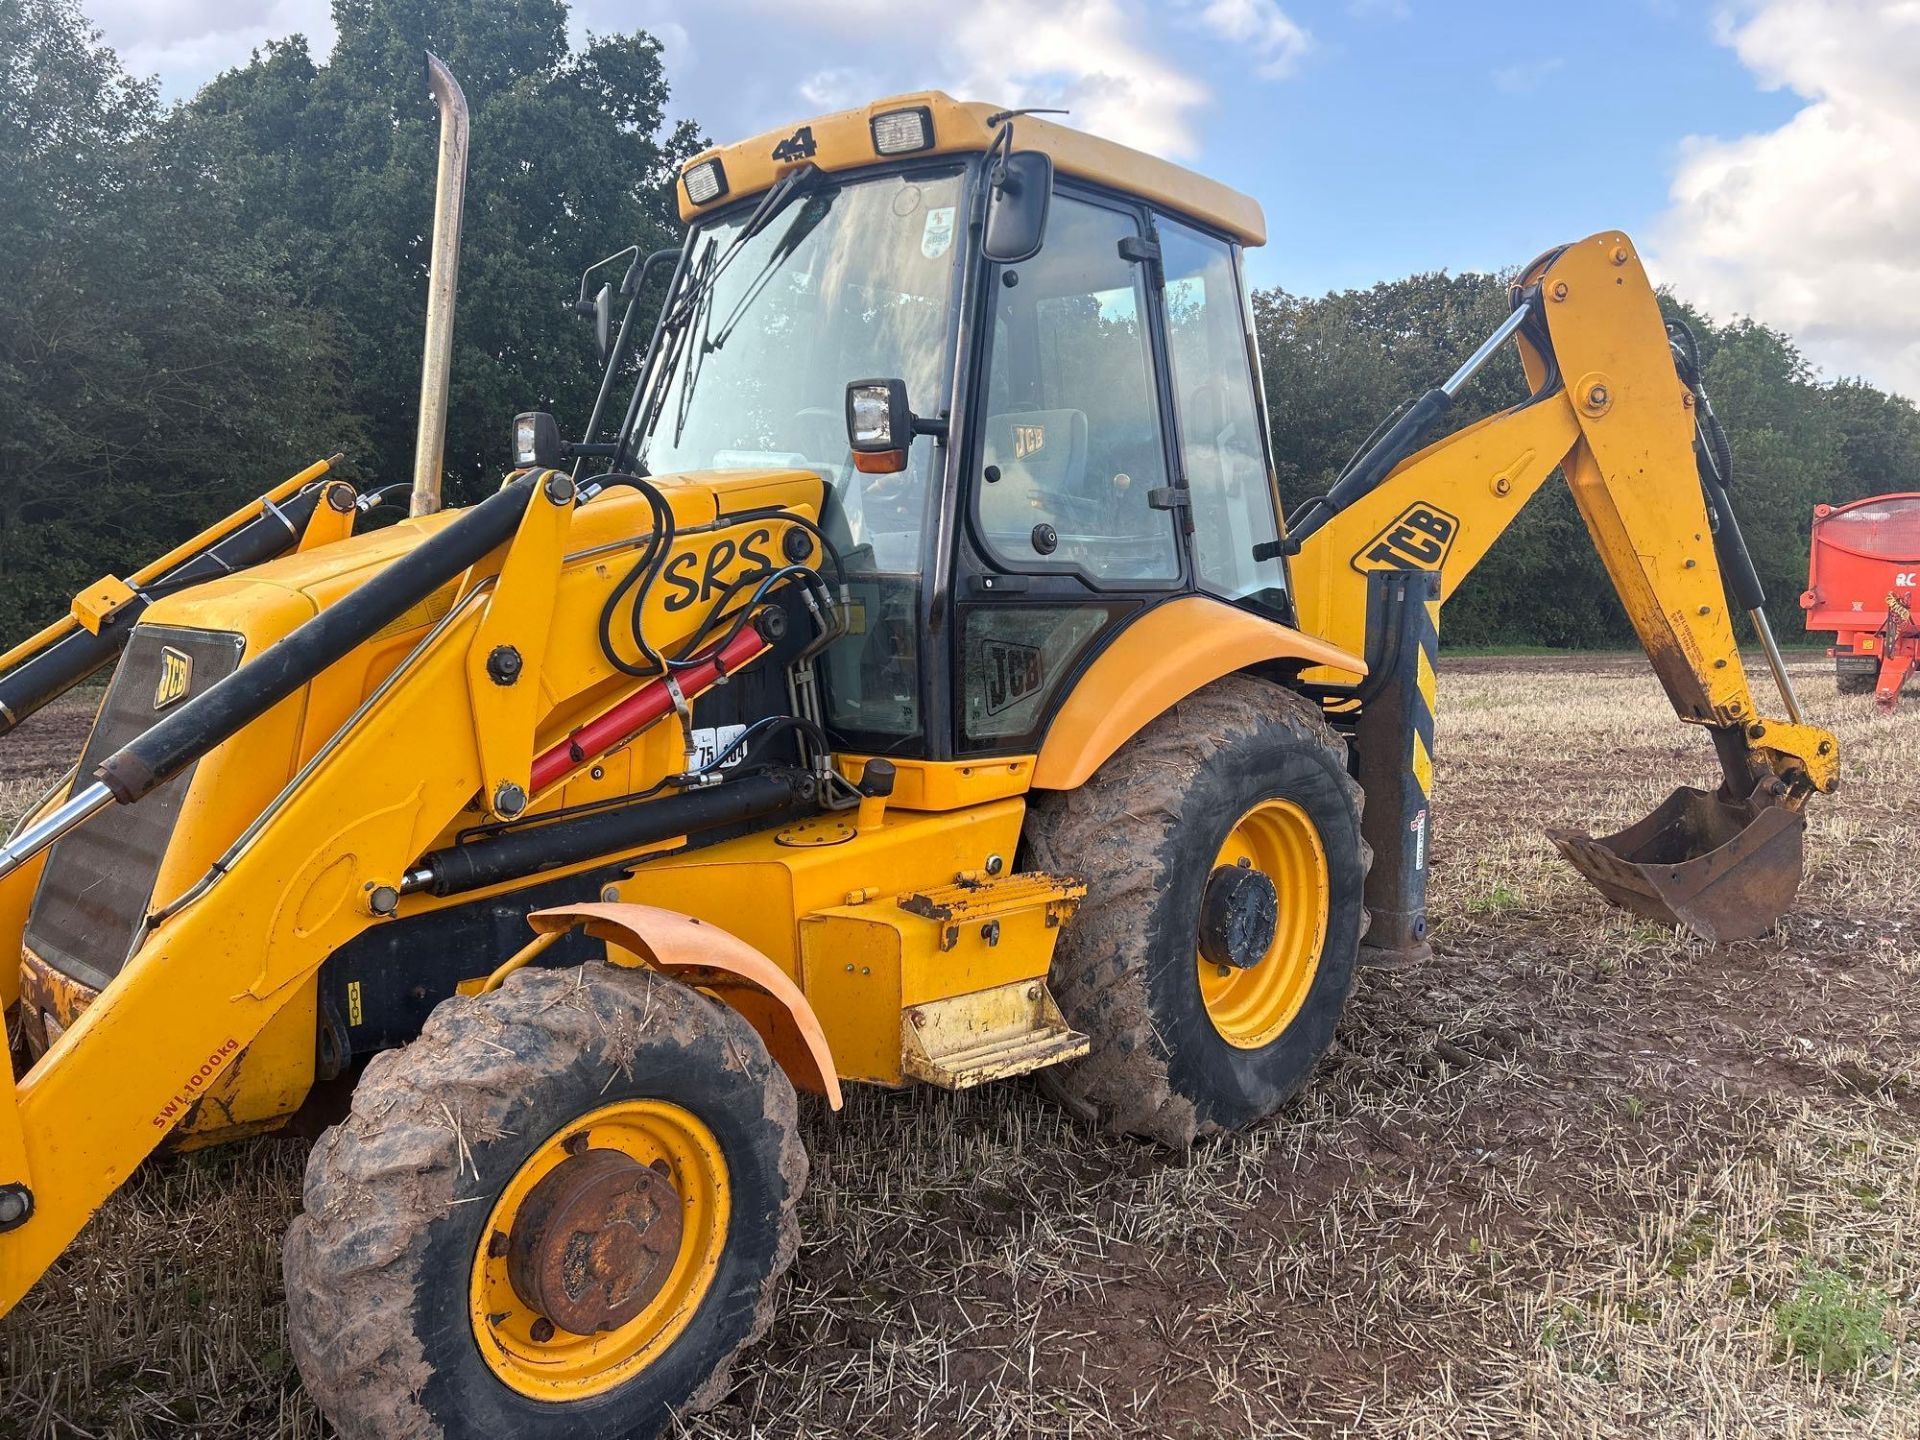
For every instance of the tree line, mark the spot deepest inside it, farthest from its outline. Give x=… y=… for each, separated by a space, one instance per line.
x=201 y=298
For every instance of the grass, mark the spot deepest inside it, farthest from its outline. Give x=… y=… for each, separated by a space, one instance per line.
x=1833 y=1321
x=1577 y=1176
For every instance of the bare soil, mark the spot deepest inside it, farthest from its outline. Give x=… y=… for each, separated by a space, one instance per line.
x=1572 y=1177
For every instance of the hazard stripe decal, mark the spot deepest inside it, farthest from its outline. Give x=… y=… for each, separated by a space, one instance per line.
x=1422 y=708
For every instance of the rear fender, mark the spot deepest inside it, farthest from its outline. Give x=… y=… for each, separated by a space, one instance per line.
x=1161 y=658
x=707 y=957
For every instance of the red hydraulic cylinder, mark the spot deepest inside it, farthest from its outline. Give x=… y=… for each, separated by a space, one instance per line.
x=645 y=706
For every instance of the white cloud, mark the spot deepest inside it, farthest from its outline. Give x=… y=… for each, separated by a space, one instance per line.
x=1095 y=58
x=1527 y=76
x=834 y=88
x=188 y=42
x=737 y=66
x=1814 y=226
x=1276 y=41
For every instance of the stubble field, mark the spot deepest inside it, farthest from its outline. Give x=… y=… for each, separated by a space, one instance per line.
x=1576 y=1176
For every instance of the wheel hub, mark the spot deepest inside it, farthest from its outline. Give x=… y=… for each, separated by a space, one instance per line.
x=1239 y=916
x=595 y=1241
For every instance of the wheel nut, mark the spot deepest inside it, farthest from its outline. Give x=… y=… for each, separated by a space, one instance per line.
x=497 y=1245
x=542 y=1330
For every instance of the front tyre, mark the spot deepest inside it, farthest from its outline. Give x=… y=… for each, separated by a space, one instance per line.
x=561 y=1212
x=1224 y=865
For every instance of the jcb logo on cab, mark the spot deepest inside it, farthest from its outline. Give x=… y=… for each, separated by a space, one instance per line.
x=1418 y=540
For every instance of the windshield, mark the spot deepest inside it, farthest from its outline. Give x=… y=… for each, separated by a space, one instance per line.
x=847 y=282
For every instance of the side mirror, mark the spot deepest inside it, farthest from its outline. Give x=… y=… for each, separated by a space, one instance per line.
x=603 y=322
x=1017 y=210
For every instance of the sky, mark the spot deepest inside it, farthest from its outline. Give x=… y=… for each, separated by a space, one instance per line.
x=1765 y=154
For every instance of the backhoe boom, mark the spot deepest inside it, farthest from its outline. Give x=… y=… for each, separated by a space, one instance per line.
x=1610 y=410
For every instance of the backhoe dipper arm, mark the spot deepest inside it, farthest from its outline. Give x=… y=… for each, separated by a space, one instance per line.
x=1610 y=409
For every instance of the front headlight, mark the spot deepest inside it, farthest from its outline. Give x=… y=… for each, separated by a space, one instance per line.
x=536 y=441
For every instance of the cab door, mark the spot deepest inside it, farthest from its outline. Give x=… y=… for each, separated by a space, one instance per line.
x=1074 y=514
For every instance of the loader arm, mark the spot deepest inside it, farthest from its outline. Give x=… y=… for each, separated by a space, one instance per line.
x=222 y=976
x=1610 y=410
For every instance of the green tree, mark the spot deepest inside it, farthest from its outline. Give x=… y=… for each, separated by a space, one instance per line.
x=571 y=159
x=151 y=372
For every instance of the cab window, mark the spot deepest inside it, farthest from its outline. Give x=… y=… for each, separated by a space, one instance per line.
x=1072 y=445
x=1208 y=342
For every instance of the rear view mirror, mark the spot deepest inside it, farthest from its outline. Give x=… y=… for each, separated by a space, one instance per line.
x=603 y=322
x=1017 y=210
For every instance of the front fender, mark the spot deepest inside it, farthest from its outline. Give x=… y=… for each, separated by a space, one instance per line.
x=709 y=958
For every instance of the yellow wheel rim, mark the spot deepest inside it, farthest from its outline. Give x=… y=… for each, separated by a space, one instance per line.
x=1251 y=1007
x=526 y=1349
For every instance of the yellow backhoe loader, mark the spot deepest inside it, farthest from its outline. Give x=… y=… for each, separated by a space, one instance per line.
x=912 y=681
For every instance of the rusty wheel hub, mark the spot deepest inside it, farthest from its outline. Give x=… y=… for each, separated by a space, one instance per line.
x=594 y=1241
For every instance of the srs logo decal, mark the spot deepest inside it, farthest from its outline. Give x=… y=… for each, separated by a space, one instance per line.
x=1028 y=440
x=1418 y=540
x=176 y=674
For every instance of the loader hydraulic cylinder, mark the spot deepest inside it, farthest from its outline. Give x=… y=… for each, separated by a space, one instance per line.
x=45 y=677
x=149 y=761
x=520 y=853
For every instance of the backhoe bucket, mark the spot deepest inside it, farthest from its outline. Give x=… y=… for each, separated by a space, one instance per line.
x=1725 y=869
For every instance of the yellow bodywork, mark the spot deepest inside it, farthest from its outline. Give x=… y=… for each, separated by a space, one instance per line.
x=844 y=141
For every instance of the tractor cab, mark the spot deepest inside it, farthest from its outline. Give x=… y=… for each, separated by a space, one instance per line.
x=1021 y=360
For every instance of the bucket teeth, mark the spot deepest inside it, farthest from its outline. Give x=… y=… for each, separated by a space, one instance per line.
x=1725 y=869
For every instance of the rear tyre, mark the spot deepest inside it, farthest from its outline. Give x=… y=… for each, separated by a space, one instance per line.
x=561 y=1212
x=1224 y=865
x=1855 y=675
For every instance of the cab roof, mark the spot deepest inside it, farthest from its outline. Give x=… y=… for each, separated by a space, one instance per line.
x=845 y=141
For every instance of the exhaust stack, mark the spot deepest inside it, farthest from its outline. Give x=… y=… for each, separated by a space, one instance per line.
x=449 y=196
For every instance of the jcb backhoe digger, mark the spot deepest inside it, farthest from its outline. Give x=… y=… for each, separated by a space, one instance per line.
x=796 y=727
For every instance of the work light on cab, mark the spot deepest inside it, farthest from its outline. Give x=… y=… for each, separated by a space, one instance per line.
x=536 y=440
x=903 y=132
x=881 y=425
x=705 y=182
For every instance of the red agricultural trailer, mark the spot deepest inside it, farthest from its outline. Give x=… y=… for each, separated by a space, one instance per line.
x=1863 y=582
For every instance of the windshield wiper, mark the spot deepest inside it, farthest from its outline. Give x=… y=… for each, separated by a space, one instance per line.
x=789 y=187
x=698 y=293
